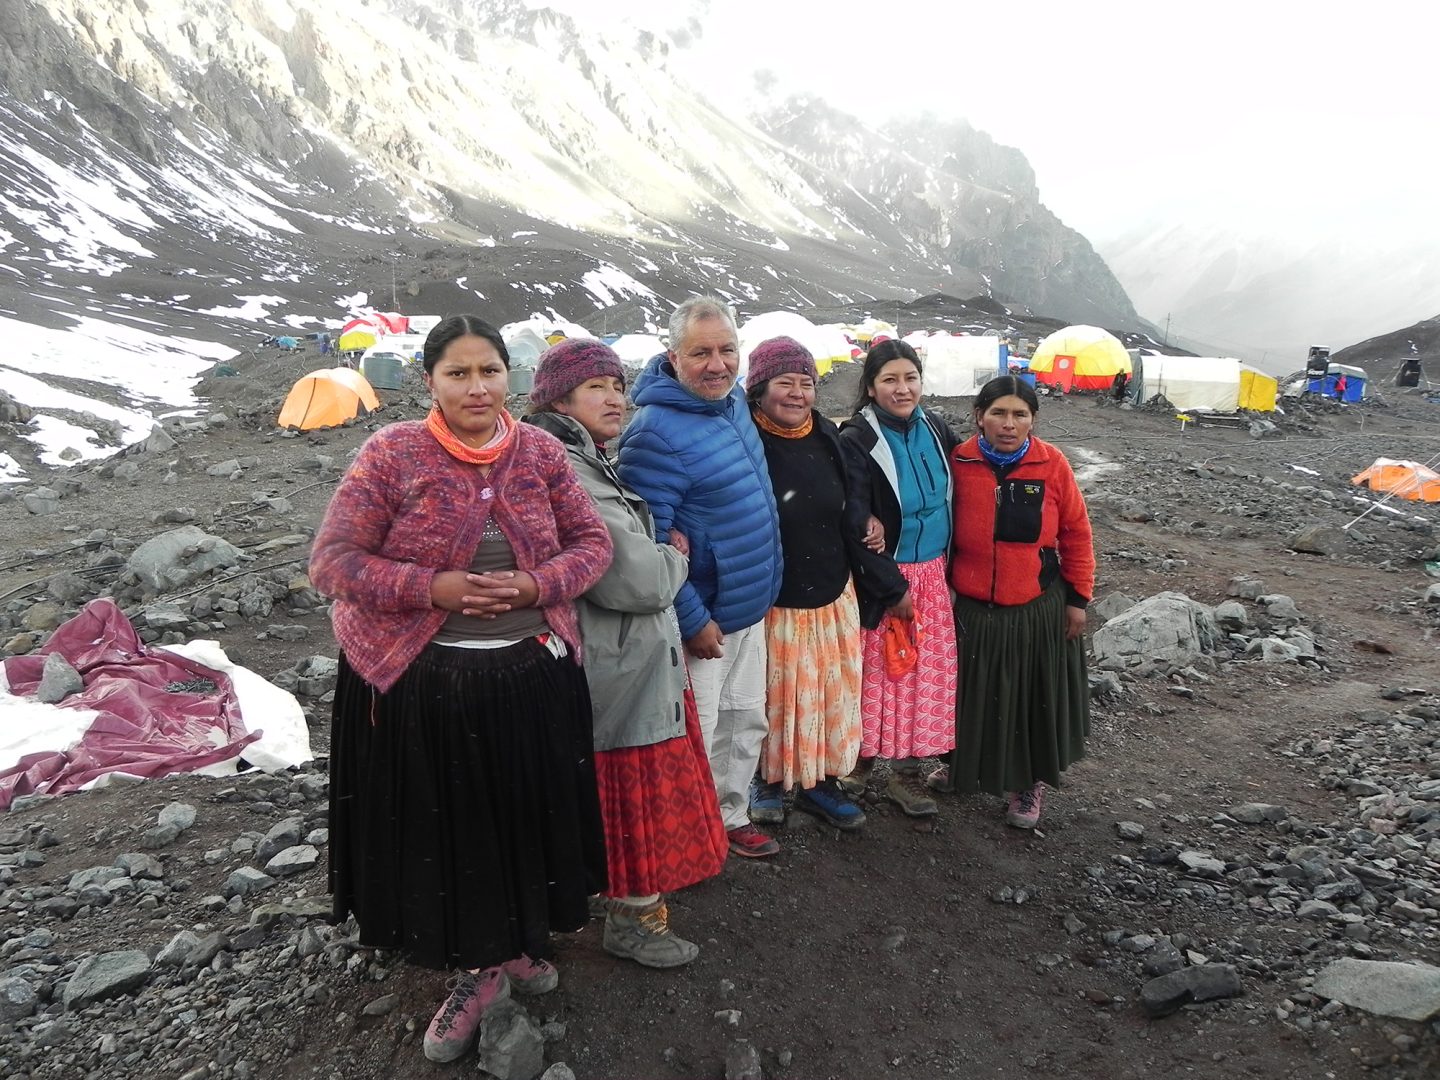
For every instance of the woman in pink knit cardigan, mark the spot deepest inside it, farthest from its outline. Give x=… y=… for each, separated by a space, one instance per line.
x=464 y=819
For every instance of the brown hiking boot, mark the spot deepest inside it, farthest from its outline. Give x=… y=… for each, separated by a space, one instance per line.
x=855 y=783
x=907 y=791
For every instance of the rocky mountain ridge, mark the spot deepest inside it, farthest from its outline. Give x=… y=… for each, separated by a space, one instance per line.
x=407 y=124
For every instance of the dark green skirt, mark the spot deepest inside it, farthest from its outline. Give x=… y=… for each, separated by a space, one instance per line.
x=1024 y=703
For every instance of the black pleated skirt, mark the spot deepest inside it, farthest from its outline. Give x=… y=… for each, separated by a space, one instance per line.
x=1024 y=706
x=464 y=819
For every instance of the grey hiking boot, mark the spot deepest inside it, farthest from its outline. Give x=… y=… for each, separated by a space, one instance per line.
x=908 y=791
x=643 y=934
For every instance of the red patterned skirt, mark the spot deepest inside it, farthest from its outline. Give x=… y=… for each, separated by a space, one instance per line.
x=662 y=821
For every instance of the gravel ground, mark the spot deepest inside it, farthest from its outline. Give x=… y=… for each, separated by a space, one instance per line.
x=1243 y=820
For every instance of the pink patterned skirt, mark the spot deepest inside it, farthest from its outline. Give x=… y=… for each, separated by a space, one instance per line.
x=913 y=716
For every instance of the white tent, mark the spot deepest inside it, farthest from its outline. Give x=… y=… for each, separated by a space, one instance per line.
x=956 y=366
x=523 y=343
x=542 y=327
x=828 y=344
x=637 y=349
x=1204 y=383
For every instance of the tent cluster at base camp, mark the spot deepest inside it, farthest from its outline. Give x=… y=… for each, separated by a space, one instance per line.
x=956 y=365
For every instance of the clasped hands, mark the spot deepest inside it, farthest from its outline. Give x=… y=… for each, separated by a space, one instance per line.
x=483 y=595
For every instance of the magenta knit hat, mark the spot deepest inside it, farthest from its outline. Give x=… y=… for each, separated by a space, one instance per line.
x=565 y=366
x=779 y=356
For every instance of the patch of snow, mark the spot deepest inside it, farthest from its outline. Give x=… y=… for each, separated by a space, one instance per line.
x=608 y=282
x=10 y=470
x=149 y=368
x=253 y=308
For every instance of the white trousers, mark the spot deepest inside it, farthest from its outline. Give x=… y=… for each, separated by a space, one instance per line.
x=730 y=697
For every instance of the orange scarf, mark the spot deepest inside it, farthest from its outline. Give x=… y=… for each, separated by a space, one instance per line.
x=487 y=454
x=764 y=423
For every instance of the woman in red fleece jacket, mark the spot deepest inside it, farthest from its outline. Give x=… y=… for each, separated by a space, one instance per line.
x=1023 y=570
x=464 y=818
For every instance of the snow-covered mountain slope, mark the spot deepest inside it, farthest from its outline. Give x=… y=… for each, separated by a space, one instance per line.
x=182 y=177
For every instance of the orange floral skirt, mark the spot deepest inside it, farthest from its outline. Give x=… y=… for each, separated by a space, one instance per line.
x=812 y=692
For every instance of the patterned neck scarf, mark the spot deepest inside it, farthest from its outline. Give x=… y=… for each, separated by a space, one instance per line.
x=764 y=423
x=486 y=455
x=995 y=457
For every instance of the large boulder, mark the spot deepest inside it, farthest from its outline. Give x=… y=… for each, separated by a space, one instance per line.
x=174 y=559
x=1407 y=991
x=1168 y=628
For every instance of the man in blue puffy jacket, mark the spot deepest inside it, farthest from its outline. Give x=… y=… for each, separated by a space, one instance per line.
x=693 y=453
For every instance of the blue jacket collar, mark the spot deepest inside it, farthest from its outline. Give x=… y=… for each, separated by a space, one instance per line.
x=658 y=385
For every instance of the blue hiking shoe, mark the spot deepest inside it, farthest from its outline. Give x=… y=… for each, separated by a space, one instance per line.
x=767 y=803
x=831 y=805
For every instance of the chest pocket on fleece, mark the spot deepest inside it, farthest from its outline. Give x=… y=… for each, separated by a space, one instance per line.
x=1018 y=507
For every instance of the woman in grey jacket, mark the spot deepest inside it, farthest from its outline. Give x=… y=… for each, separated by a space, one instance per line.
x=662 y=822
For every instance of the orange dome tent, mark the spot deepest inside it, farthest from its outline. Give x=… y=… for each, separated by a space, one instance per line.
x=1080 y=358
x=1405 y=479
x=327 y=398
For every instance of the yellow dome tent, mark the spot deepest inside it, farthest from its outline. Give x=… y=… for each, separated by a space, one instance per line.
x=358 y=338
x=1405 y=479
x=326 y=398
x=1080 y=358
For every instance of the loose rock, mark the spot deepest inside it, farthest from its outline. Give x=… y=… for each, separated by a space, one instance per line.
x=1168 y=993
x=105 y=976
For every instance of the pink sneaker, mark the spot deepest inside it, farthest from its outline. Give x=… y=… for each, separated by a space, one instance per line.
x=530 y=977
x=455 y=1026
x=1025 y=806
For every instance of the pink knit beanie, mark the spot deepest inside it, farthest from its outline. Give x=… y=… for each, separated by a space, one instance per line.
x=565 y=366
x=779 y=356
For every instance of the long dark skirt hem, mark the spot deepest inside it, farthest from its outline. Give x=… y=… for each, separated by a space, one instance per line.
x=1024 y=709
x=464 y=819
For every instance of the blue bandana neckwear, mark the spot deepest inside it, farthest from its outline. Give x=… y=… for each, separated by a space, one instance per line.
x=995 y=457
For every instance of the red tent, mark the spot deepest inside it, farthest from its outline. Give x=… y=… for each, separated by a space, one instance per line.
x=392 y=322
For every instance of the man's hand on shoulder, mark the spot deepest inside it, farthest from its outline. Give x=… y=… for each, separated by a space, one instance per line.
x=708 y=644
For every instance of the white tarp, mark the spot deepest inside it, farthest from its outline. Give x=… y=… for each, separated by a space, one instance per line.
x=28 y=726
x=1202 y=383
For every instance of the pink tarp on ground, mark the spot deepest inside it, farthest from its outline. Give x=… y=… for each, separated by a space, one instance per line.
x=142 y=728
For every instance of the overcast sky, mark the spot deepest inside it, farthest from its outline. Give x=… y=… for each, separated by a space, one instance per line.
x=1293 y=117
